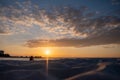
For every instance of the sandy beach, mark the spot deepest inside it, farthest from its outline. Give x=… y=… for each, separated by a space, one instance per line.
x=59 y=39
x=62 y=69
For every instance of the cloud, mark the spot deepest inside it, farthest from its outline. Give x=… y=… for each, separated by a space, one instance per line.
x=115 y=2
x=111 y=46
x=77 y=26
x=100 y=30
x=63 y=20
x=4 y=31
x=109 y=37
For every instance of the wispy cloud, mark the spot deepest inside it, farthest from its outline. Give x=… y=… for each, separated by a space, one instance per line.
x=115 y=2
x=4 y=31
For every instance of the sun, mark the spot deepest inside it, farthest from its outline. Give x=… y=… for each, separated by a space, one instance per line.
x=47 y=52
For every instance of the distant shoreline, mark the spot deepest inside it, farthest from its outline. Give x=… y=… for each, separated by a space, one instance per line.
x=21 y=57
x=64 y=57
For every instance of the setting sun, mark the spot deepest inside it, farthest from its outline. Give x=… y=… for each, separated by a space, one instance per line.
x=47 y=52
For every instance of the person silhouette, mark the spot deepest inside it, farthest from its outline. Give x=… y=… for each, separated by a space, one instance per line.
x=31 y=58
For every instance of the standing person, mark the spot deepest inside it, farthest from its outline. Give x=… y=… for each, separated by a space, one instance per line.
x=31 y=58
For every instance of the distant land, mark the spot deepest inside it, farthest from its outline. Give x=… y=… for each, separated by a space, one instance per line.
x=3 y=54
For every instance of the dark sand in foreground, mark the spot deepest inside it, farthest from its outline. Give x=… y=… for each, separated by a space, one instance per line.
x=62 y=69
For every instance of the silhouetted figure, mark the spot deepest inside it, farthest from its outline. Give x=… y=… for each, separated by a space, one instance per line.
x=31 y=58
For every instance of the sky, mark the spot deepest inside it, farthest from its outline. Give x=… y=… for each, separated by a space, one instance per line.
x=67 y=28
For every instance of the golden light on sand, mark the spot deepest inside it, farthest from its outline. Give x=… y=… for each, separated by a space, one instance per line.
x=47 y=52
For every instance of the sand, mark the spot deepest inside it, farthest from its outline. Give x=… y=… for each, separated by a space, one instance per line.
x=62 y=69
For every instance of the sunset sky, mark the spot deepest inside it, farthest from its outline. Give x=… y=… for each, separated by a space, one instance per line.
x=67 y=28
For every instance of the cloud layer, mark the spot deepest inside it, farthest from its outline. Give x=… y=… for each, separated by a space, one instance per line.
x=75 y=27
x=109 y=37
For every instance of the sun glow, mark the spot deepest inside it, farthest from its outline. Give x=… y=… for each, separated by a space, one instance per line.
x=47 y=52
